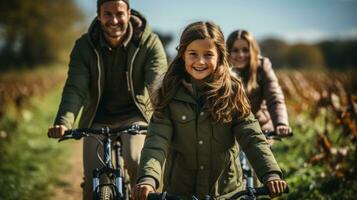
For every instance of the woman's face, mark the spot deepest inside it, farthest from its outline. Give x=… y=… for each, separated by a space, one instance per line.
x=201 y=58
x=240 y=54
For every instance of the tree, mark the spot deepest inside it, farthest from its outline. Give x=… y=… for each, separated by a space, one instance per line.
x=305 y=56
x=276 y=50
x=36 y=32
x=339 y=54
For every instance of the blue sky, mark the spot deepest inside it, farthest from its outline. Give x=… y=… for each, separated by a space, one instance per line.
x=291 y=20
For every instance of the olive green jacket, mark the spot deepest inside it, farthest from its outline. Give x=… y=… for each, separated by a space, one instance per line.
x=84 y=86
x=201 y=155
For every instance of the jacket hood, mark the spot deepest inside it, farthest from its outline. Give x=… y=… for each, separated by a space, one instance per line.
x=140 y=29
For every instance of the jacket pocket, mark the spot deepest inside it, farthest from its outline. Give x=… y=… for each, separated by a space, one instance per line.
x=171 y=161
x=181 y=181
x=229 y=182
x=184 y=125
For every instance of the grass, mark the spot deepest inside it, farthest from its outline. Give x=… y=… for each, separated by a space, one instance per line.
x=30 y=162
x=308 y=181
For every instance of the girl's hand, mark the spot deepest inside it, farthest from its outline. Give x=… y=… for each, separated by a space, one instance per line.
x=276 y=187
x=283 y=130
x=141 y=191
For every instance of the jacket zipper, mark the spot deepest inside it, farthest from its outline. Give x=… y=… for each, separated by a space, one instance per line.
x=99 y=90
x=130 y=80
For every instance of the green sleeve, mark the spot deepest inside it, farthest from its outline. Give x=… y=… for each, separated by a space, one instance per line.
x=156 y=62
x=254 y=144
x=75 y=90
x=156 y=148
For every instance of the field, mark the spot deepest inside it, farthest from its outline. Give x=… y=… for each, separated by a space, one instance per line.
x=319 y=161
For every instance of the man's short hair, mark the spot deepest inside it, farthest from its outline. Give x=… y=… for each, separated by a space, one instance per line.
x=100 y=2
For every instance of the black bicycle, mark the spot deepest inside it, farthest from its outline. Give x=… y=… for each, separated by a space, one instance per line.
x=118 y=187
x=248 y=173
x=249 y=194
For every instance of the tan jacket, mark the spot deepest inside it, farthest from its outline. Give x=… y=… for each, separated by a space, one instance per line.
x=267 y=100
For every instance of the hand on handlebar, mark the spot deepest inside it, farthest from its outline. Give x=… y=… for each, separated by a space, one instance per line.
x=56 y=131
x=283 y=130
x=141 y=191
x=276 y=187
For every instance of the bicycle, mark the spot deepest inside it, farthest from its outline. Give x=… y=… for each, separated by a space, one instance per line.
x=248 y=173
x=118 y=188
x=248 y=194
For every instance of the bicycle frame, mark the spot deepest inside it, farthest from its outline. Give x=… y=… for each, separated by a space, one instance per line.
x=108 y=168
x=248 y=172
x=113 y=173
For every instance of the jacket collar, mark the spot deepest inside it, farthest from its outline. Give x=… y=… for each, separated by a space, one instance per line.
x=184 y=94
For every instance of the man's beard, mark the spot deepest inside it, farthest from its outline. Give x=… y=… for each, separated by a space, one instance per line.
x=121 y=30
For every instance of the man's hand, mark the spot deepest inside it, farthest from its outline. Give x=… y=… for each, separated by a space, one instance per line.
x=276 y=187
x=56 y=131
x=283 y=130
x=141 y=191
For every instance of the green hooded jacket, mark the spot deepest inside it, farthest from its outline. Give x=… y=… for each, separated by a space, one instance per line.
x=84 y=85
x=200 y=155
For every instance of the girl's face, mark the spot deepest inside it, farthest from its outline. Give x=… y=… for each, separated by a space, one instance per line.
x=201 y=58
x=240 y=54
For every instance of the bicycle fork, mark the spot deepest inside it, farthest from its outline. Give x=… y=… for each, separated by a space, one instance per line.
x=118 y=170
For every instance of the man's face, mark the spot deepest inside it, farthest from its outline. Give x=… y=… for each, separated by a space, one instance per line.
x=114 y=18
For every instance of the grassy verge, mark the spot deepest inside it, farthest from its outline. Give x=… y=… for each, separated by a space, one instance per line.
x=29 y=160
x=313 y=181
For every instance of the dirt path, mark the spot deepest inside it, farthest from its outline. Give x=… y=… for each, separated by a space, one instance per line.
x=69 y=187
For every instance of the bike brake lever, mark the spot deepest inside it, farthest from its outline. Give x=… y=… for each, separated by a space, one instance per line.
x=65 y=137
x=72 y=135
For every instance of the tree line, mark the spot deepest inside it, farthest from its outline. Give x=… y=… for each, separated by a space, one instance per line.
x=332 y=54
x=37 y=32
x=40 y=32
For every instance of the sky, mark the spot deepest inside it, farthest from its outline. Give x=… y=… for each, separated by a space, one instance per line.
x=291 y=20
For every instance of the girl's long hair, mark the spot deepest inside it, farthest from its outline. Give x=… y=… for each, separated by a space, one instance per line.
x=225 y=93
x=254 y=51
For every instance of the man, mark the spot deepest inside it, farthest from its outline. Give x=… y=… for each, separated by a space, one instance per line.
x=111 y=70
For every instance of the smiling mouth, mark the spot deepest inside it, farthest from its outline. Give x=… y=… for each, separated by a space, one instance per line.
x=199 y=69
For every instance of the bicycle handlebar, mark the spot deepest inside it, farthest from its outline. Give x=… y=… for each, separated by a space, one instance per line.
x=250 y=191
x=273 y=135
x=260 y=191
x=77 y=134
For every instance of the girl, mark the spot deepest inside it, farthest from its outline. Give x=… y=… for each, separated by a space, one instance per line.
x=261 y=83
x=200 y=111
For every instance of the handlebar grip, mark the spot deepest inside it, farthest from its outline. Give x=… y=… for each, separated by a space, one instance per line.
x=162 y=196
x=268 y=133
x=262 y=191
x=265 y=191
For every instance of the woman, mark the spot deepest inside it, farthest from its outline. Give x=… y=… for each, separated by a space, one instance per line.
x=261 y=84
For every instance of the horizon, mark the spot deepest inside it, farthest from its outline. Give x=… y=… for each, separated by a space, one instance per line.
x=292 y=21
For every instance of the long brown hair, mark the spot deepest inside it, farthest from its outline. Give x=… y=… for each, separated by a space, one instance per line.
x=254 y=51
x=225 y=94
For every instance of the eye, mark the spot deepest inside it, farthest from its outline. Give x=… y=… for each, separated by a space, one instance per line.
x=234 y=50
x=245 y=50
x=192 y=54
x=121 y=14
x=107 y=14
x=209 y=55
